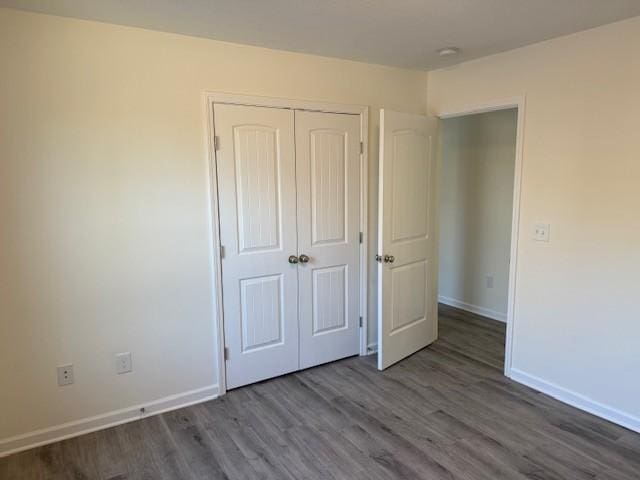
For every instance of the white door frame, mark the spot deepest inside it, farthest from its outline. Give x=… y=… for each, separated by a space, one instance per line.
x=492 y=106
x=210 y=98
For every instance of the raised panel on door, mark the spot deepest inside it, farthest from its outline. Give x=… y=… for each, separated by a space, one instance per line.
x=328 y=175
x=407 y=291
x=257 y=202
x=256 y=159
x=327 y=184
x=409 y=175
x=329 y=283
x=409 y=286
x=261 y=314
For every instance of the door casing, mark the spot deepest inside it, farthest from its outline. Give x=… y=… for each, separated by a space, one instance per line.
x=211 y=98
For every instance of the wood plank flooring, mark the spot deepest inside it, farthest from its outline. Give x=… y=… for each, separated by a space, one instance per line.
x=444 y=413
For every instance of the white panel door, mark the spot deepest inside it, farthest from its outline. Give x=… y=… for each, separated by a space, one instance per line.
x=407 y=272
x=257 y=202
x=328 y=173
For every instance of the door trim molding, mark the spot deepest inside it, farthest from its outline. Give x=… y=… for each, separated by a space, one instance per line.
x=211 y=98
x=518 y=102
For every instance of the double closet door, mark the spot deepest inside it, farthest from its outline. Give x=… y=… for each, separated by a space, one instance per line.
x=289 y=204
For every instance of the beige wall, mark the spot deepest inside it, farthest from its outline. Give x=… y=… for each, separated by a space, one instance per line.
x=476 y=198
x=104 y=203
x=105 y=239
x=577 y=320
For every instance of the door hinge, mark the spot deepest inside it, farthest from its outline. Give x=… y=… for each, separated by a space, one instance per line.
x=361 y=237
x=361 y=148
x=226 y=353
x=360 y=322
x=216 y=142
x=222 y=252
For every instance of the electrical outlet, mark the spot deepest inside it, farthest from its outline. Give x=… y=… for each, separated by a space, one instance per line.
x=541 y=232
x=488 y=279
x=65 y=375
x=123 y=363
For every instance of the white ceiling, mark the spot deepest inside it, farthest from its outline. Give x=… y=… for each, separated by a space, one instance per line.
x=404 y=33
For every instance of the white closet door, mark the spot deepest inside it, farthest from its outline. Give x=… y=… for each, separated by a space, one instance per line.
x=257 y=202
x=407 y=274
x=328 y=173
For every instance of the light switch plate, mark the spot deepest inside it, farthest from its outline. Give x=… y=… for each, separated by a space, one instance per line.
x=541 y=232
x=123 y=363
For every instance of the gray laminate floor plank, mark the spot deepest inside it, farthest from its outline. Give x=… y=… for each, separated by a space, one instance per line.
x=446 y=412
x=111 y=460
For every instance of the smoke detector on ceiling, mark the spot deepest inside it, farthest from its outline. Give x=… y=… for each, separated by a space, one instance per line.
x=448 y=51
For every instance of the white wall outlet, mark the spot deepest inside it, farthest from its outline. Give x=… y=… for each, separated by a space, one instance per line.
x=541 y=232
x=65 y=375
x=123 y=363
x=488 y=279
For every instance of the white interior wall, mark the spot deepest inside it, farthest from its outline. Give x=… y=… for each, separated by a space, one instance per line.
x=476 y=199
x=576 y=325
x=104 y=207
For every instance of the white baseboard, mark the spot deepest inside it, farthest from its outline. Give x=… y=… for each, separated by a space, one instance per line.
x=91 y=424
x=372 y=348
x=469 y=307
x=576 y=400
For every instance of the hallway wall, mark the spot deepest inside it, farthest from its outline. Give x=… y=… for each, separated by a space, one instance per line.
x=476 y=199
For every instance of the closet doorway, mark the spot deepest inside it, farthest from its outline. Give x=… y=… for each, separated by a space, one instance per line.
x=290 y=201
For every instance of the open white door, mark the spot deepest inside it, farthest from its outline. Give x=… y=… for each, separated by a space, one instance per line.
x=407 y=256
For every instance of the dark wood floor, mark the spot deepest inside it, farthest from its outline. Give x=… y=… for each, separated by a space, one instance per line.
x=444 y=413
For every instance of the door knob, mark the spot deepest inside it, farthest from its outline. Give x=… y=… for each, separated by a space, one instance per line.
x=379 y=258
x=293 y=259
x=304 y=258
x=389 y=259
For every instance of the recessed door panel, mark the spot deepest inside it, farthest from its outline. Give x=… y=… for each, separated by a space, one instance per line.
x=408 y=285
x=261 y=312
x=257 y=205
x=257 y=187
x=328 y=153
x=330 y=283
x=410 y=177
x=328 y=175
